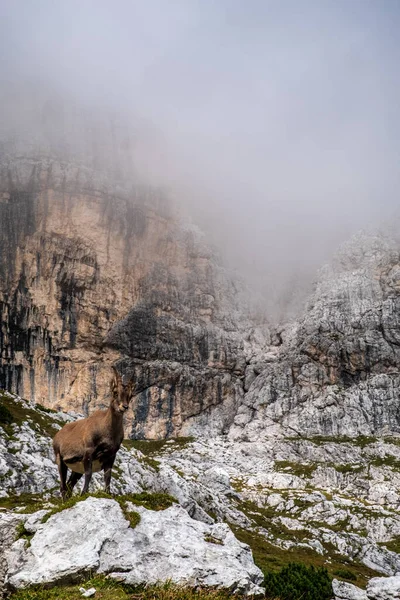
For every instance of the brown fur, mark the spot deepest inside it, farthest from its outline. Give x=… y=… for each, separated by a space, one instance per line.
x=91 y=444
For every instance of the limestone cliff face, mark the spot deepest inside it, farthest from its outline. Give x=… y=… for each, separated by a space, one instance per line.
x=93 y=273
x=337 y=372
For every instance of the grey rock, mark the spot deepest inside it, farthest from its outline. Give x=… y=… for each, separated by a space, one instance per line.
x=337 y=370
x=87 y=593
x=166 y=545
x=383 y=588
x=347 y=591
x=8 y=525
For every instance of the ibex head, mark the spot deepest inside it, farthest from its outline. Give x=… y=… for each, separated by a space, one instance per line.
x=121 y=393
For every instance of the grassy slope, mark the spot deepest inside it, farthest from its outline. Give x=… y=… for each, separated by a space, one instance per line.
x=107 y=589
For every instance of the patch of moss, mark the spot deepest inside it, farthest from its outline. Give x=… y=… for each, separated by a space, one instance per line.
x=22 y=533
x=45 y=409
x=360 y=441
x=298 y=469
x=152 y=462
x=151 y=501
x=347 y=468
x=265 y=517
x=386 y=461
x=131 y=516
x=20 y=412
x=271 y=558
x=393 y=545
x=150 y=447
x=238 y=484
x=213 y=540
x=337 y=527
x=392 y=440
x=179 y=471
x=307 y=470
x=117 y=472
x=29 y=503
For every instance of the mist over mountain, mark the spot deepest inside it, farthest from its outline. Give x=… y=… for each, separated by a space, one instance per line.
x=274 y=126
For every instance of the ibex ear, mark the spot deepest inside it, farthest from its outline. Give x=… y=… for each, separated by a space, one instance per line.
x=130 y=389
x=114 y=384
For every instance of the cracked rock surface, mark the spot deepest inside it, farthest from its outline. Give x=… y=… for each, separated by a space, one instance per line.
x=94 y=536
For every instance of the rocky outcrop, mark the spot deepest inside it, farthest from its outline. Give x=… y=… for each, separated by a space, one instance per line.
x=378 y=588
x=347 y=591
x=337 y=372
x=329 y=502
x=94 y=271
x=94 y=536
x=8 y=525
x=384 y=589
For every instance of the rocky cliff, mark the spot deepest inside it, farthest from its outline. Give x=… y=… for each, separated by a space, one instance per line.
x=94 y=271
x=337 y=372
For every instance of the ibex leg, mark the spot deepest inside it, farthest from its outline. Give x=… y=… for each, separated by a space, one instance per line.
x=62 y=469
x=87 y=463
x=107 y=474
x=74 y=477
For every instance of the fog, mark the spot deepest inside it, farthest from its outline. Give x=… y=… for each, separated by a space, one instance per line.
x=275 y=123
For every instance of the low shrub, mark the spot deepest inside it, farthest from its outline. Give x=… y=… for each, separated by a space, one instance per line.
x=345 y=574
x=299 y=582
x=5 y=415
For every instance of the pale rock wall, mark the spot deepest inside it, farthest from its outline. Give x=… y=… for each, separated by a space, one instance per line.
x=95 y=272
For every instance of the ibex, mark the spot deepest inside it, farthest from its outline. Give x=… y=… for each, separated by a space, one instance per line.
x=90 y=445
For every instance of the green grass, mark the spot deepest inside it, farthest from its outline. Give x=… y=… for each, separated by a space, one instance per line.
x=298 y=469
x=109 y=589
x=392 y=440
x=34 y=502
x=156 y=501
x=30 y=502
x=263 y=517
x=151 y=501
x=347 y=468
x=150 y=447
x=307 y=470
x=271 y=558
x=213 y=540
x=386 y=461
x=131 y=516
x=360 y=441
x=22 y=533
x=20 y=412
x=393 y=545
x=45 y=409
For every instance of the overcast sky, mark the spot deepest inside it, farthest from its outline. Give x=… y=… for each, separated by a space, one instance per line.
x=276 y=122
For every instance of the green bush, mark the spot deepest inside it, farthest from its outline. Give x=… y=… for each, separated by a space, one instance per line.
x=5 y=415
x=299 y=582
x=345 y=574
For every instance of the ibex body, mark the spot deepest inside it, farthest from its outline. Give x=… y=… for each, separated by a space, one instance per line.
x=91 y=444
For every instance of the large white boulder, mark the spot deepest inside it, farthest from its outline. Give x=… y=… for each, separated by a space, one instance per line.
x=347 y=591
x=384 y=588
x=166 y=545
